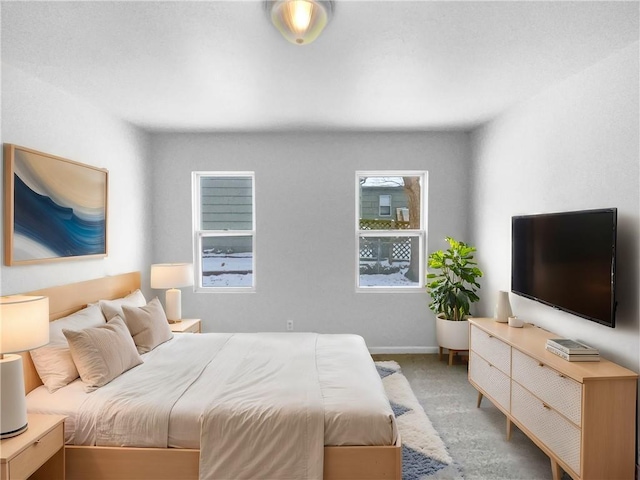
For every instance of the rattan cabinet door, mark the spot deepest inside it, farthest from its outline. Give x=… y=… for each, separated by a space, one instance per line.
x=494 y=351
x=495 y=383
x=556 y=390
x=554 y=430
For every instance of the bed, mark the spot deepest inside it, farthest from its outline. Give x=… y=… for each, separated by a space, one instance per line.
x=344 y=457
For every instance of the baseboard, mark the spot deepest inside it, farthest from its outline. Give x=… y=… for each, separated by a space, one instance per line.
x=401 y=350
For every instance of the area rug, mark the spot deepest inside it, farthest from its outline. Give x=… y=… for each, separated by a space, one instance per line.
x=424 y=454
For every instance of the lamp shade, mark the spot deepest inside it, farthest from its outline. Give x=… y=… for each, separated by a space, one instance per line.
x=24 y=323
x=300 y=21
x=171 y=275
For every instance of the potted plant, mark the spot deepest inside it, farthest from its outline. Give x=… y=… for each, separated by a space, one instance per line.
x=453 y=285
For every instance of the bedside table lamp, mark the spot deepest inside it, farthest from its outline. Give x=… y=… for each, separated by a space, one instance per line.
x=172 y=276
x=24 y=325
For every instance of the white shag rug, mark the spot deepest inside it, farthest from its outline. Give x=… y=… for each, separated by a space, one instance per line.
x=424 y=454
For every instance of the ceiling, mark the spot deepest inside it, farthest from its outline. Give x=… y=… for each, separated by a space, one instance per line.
x=380 y=65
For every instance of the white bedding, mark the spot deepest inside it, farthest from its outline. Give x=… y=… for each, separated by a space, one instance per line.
x=356 y=409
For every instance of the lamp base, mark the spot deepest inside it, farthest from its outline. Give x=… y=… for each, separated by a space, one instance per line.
x=173 y=300
x=15 y=433
x=13 y=405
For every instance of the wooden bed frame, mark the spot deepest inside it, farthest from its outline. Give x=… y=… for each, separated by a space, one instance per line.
x=127 y=463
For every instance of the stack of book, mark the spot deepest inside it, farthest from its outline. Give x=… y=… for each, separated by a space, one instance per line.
x=572 y=351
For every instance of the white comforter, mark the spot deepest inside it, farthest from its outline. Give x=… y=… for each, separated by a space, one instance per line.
x=262 y=401
x=268 y=406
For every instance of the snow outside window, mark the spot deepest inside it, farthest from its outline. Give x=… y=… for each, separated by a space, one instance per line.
x=224 y=231
x=390 y=242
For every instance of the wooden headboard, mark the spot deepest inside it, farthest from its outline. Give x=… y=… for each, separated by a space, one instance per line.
x=67 y=299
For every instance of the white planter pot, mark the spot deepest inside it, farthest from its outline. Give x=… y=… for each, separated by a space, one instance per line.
x=452 y=335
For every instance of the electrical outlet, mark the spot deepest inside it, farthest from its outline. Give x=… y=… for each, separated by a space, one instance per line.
x=290 y=325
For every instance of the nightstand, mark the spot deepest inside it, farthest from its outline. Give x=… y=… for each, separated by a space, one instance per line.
x=186 y=325
x=38 y=452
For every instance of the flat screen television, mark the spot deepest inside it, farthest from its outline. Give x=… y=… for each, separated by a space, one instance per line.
x=567 y=261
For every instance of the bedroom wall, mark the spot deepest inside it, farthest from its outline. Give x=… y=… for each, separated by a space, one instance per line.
x=305 y=204
x=39 y=116
x=574 y=146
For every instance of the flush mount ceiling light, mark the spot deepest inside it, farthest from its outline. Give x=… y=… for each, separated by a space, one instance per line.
x=300 y=21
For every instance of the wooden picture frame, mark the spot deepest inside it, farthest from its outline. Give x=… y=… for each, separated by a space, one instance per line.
x=54 y=209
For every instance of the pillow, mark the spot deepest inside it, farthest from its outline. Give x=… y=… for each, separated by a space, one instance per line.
x=53 y=362
x=102 y=353
x=111 y=308
x=148 y=325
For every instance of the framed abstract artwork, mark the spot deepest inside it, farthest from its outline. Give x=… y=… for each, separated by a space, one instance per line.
x=54 y=209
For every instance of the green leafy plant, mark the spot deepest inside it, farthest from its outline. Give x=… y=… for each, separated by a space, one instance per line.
x=452 y=282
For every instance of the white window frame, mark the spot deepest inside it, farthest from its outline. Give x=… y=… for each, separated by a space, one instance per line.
x=380 y=205
x=199 y=234
x=421 y=233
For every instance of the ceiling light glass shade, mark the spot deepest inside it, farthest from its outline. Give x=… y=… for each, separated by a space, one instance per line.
x=301 y=21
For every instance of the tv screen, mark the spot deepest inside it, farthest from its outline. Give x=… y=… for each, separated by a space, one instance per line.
x=567 y=260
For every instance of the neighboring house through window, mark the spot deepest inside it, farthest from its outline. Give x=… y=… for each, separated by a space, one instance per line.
x=224 y=230
x=391 y=230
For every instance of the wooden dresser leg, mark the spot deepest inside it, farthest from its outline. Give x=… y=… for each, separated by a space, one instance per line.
x=508 y=429
x=556 y=470
x=479 y=399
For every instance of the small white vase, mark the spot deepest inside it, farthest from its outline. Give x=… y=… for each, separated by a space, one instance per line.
x=503 y=307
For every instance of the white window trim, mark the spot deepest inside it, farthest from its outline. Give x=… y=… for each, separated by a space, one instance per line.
x=198 y=234
x=421 y=233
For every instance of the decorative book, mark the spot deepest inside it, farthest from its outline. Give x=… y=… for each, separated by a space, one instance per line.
x=571 y=346
x=574 y=357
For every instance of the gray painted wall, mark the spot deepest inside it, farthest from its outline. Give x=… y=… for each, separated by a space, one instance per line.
x=572 y=147
x=305 y=239
x=39 y=116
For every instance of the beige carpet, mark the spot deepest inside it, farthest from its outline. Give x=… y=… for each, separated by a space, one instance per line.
x=475 y=437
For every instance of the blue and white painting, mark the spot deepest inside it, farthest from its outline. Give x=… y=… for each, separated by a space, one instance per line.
x=60 y=208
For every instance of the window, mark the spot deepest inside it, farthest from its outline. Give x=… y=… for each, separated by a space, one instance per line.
x=385 y=205
x=390 y=241
x=224 y=230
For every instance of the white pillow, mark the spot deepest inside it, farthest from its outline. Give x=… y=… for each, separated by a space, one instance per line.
x=148 y=325
x=53 y=362
x=102 y=353
x=111 y=308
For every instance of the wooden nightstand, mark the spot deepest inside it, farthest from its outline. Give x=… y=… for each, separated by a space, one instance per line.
x=38 y=452
x=186 y=325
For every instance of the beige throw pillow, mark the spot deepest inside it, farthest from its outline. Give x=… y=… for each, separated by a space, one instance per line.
x=148 y=325
x=111 y=308
x=102 y=353
x=53 y=362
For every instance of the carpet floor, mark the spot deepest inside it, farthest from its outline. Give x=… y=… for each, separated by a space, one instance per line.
x=474 y=437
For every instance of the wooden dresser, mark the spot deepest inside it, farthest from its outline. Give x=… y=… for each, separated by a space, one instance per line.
x=581 y=414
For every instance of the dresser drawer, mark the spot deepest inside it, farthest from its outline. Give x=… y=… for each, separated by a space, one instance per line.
x=495 y=383
x=36 y=454
x=556 y=390
x=493 y=350
x=556 y=432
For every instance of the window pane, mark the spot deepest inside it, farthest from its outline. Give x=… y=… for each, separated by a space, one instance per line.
x=226 y=203
x=389 y=261
x=385 y=205
x=227 y=261
x=395 y=197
